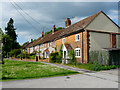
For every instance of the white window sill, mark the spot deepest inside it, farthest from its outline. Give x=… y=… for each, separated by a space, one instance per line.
x=78 y=56
x=77 y=40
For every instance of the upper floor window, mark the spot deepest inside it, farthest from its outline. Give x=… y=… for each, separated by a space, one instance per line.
x=77 y=37
x=77 y=52
x=63 y=40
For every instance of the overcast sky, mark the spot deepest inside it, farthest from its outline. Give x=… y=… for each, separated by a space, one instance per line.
x=48 y=13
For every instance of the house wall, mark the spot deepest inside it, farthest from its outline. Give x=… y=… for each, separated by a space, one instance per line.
x=75 y=44
x=31 y=49
x=28 y=50
x=99 y=41
x=102 y=23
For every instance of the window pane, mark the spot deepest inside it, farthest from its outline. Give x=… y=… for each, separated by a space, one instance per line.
x=78 y=37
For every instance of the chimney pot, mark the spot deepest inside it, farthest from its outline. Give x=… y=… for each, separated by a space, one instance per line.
x=42 y=33
x=53 y=29
x=31 y=40
x=67 y=22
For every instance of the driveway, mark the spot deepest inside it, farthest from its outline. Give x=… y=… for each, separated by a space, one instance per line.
x=89 y=79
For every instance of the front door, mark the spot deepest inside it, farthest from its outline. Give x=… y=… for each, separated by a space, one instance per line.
x=47 y=54
x=64 y=56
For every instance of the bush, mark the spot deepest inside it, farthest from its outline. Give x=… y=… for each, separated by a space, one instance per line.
x=15 y=52
x=18 y=56
x=55 y=57
x=33 y=56
x=98 y=67
x=59 y=59
x=72 y=57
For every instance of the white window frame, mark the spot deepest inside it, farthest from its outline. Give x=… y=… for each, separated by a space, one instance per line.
x=76 y=37
x=63 y=40
x=78 y=52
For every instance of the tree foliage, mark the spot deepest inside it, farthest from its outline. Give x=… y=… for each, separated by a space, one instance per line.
x=10 y=38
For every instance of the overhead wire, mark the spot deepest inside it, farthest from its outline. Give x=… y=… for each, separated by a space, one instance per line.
x=23 y=16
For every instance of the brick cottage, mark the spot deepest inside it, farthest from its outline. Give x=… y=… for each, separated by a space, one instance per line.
x=92 y=33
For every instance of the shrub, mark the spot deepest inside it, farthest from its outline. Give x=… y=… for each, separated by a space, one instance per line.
x=26 y=55
x=15 y=52
x=98 y=67
x=33 y=56
x=53 y=57
x=18 y=56
x=59 y=59
x=71 y=55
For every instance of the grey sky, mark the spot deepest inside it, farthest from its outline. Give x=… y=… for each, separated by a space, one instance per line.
x=50 y=13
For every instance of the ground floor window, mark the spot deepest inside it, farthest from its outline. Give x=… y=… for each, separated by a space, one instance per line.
x=77 y=52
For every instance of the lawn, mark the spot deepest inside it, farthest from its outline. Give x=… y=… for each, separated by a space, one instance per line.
x=13 y=70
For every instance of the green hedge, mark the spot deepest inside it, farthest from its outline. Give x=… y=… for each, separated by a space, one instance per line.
x=55 y=58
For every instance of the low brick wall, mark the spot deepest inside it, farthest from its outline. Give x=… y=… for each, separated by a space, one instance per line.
x=23 y=59
x=40 y=60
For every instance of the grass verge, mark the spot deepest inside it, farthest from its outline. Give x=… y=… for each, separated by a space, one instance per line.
x=94 y=66
x=15 y=70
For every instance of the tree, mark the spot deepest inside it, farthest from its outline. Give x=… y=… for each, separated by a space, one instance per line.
x=9 y=38
x=1 y=39
x=10 y=31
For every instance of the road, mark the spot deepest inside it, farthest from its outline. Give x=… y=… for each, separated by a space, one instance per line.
x=103 y=79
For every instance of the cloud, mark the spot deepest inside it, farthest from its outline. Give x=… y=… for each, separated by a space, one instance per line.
x=113 y=14
x=76 y=19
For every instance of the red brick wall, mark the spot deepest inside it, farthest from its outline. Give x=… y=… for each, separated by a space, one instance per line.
x=83 y=44
x=71 y=40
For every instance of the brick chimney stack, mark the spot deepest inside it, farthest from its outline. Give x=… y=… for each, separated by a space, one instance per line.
x=53 y=29
x=31 y=40
x=67 y=22
x=42 y=33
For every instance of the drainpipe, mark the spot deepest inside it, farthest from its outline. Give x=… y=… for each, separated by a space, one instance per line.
x=82 y=49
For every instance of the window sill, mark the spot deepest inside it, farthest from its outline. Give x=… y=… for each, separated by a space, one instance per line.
x=77 y=40
x=78 y=56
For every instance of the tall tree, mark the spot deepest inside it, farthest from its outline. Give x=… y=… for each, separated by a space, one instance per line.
x=10 y=31
x=10 y=38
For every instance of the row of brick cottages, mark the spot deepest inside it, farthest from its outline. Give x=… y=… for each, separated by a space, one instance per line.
x=92 y=33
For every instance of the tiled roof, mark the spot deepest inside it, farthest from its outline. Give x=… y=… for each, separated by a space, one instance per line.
x=46 y=50
x=34 y=42
x=24 y=46
x=68 y=47
x=70 y=29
